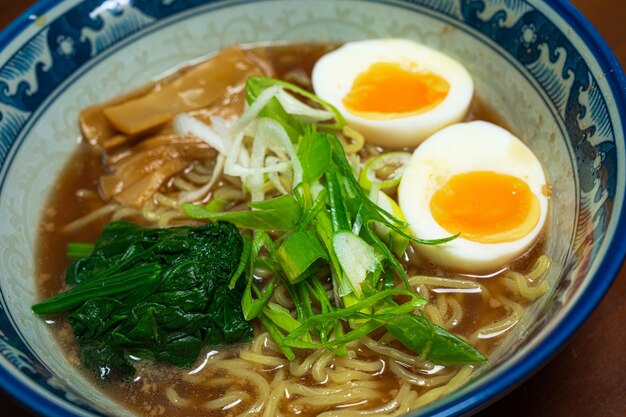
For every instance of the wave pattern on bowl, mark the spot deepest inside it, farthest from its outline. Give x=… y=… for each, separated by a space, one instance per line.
x=48 y=57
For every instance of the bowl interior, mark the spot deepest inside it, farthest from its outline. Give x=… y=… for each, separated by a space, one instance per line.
x=521 y=73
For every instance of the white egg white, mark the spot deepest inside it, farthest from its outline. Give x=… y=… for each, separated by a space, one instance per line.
x=460 y=148
x=335 y=72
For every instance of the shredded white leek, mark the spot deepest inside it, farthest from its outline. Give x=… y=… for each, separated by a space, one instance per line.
x=253 y=111
x=200 y=193
x=185 y=124
x=270 y=152
x=302 y=111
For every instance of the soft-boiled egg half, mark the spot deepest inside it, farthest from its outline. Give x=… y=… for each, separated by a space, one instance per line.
x=479 y=180
x=394 y=91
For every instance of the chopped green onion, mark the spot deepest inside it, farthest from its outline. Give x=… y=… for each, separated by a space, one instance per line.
x=384 y=170
x=78 y=250
x=301 y=255
x=357 y=259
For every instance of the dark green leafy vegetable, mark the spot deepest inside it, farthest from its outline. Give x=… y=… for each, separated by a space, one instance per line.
x=112 y=285
x=153 y=293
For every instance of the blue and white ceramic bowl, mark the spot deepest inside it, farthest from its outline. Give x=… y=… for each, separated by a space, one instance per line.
x=538 y=63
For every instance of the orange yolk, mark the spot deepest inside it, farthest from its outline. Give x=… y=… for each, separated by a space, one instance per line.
x=486 y=207
x=389 y=89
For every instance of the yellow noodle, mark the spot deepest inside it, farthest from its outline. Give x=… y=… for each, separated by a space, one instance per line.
x=279 y=376
x=458 y=380
x=396 y=406
x=262 y=272
x=198 y=178
x=175 y=398
x=166 y=201
x=183 y=185
x=448 y=283
x=193 y=378
x=441 y=302
x=423 y=291
x=457 y=312
x=318 y=370
x=396 y=354
x=91 y=217
x=205 y=168
x=229 y=193
x=434 y=314
x=344 y=397
x=299 y=389
x=419 y=380
x=148 y=211
x=230 y=399
x=125 y=212
x=225 y=381
x=540 y=268
x=261 y=359
x=342 y=375
x=518 y=283
x=501 y=326
x=282 y=297
x=230 y=364
x=274 y=398
x=271 y=345
x=262 y=388
x=299 y=369
x=359 y=365
x=258 y=343
x=166 y=217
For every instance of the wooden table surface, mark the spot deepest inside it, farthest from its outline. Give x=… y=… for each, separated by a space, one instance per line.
x=588 y=377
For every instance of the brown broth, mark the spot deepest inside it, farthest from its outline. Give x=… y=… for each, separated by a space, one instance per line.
x=75 y=194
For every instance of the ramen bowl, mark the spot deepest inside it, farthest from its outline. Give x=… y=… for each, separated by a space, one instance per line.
x=538 y=65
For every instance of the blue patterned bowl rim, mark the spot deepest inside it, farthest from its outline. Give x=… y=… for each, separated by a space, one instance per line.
x=547 y=348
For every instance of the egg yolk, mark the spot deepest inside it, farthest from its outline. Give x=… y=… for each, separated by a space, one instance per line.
x=388 y=90
x=486 y=207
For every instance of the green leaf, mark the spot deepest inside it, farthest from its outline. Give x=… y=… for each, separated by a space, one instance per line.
x=375 y=321
x=278 y=337
x=120 y=283
x=314 y=154
x=281 y=213
x=253 y=307
x=243 y=261
x=301 y=255
x=281 y=317
x=273 y=110
x=106 y=360
x=431 y=341
x=77 y=250
x=256 y=85
x=348 y=312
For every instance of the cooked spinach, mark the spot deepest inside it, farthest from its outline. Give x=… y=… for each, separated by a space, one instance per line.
x=153 y=293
